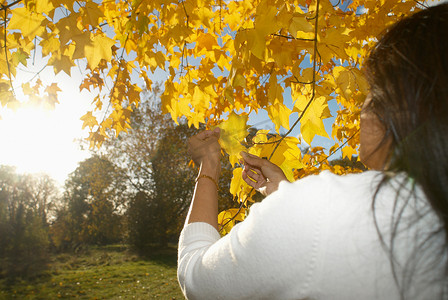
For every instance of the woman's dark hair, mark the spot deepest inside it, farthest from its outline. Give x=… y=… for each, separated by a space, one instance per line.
x=408 y=74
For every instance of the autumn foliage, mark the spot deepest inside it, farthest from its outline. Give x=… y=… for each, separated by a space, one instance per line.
x=223 y=60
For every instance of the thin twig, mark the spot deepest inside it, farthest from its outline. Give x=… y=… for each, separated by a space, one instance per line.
x=300 y=82
x=38 y=72
x=182 y=59
x=292 y=38
x=421 y=3
x=6 y=7
x=6 y=54
x=337 y=149
x=186 y=14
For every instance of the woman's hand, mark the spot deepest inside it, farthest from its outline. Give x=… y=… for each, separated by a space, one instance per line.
x=206 y=152
x=261 y=174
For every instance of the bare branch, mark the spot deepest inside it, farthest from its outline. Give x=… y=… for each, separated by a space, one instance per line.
x=186 y=14
x=421 y=3
x=292 y=38
x=6 y=7
x=6 y=55
x=339 y=148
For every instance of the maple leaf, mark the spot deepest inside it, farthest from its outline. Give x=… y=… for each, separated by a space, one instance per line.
x=52 y=91
x=299 y=23
x=89 y=120
x=99 y=48
x=50 y=45
x=207 y=41
x=348 y=152
x=19 y=57
x=91 y=14
x=61 y=63
x=233 y=133
x=238 y=187
x=29 y=23
x=311 y=122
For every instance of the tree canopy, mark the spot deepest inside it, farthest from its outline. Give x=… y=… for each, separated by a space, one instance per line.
x=224 y=60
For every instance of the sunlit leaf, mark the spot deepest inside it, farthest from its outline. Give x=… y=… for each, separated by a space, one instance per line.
x=233 y=133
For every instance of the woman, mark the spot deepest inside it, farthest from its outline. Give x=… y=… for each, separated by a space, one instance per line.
x=381 y=234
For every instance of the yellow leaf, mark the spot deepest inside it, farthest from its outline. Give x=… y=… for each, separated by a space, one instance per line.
x=81 y=40
x=261 y=136
x=310 y=127
x=265 y=20
x=91 y=14
x=287 y=155
x=96 y=139
x=275 y=92
x=334 y=44
x=311 y=122
x=50 y=45
x=207 y=41
x=52 y=91
x=348 y=152
x=100 y=47
x=42 y=6
x=256 y=43
x=19 y=57
x=233 y=132
x=89 y=120
x=227 y=218
x=299 y=23
x=29 y=23
x=239 y=81
x=61 y=63
x=238 y=187
x=279 y=114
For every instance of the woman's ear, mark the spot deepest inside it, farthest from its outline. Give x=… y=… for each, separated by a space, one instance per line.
x=375 y=142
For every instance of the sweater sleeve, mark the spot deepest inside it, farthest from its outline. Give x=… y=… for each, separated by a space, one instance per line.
x=263 y=257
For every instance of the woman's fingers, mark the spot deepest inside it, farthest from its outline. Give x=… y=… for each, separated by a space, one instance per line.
x=261 y=173
x=255 y=174
x=252 y=160
x=250 y=181
x=253 y=177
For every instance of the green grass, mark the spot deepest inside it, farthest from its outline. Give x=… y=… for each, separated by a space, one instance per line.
x=102 y=273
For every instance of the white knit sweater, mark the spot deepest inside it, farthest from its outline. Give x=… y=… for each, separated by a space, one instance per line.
x=313 y=239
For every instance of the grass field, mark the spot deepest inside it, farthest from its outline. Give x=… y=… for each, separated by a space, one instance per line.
x=102 y=273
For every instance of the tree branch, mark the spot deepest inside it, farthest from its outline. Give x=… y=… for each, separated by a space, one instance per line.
x=6 y=54
x=6 y=7
x=292 y=38
x=339 y=148
x=421 y=3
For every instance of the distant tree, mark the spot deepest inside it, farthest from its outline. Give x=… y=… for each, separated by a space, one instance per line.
x=173 y=180
x=44 y=195
x=94 y=205
x=24 y=206
x=154 y=156
x=160 y=175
